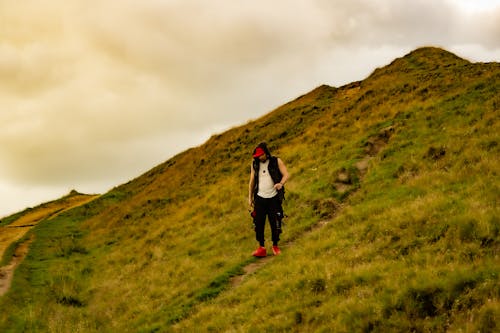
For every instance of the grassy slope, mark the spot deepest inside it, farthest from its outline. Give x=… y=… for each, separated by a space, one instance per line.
x=13 y=228
x=416 y=246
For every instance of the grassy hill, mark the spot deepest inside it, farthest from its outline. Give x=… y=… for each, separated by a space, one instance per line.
x=13 y=228
x=393 y=221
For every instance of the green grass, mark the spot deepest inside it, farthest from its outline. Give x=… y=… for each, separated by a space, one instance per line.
x=414 y=248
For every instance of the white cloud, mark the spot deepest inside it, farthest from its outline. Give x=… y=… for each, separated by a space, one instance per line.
x=475 y=6
x=93 y=93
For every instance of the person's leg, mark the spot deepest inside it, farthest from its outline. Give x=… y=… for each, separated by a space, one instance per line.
x=260 y=220
x=279 y=217
x=275 y=216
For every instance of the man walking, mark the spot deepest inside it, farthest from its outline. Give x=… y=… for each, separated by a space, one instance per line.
x=268 y=175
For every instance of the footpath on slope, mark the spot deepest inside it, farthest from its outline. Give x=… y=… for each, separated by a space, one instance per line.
x=15 y=232
x=343 y=184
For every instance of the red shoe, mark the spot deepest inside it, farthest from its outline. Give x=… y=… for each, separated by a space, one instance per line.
x=260 y=252
x=276 y=250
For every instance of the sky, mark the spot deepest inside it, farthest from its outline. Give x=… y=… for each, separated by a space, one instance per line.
x=93 y=93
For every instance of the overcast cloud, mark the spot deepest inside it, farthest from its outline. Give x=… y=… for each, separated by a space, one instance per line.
x=93 y=93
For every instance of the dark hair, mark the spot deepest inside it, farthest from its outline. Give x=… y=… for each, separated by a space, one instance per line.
x=263 y=145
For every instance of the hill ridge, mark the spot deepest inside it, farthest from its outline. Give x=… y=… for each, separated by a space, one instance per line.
x=415 y=247
x=424 y=58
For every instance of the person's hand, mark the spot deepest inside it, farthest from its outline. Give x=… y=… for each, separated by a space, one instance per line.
x=250 y=203
x=278 y=186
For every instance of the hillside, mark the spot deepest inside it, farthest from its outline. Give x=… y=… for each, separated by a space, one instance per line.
x=14 y=231
x=393 y=221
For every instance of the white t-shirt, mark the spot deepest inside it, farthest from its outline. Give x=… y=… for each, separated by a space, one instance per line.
x=266 y=183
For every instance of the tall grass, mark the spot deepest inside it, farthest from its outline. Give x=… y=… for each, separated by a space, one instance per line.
x=415 y=247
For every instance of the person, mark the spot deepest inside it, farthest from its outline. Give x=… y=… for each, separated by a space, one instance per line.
x=268 y=175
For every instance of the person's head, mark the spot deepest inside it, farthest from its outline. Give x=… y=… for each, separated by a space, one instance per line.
x=261 y=152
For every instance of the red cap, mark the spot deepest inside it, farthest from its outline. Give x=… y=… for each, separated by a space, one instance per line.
x=259 y=152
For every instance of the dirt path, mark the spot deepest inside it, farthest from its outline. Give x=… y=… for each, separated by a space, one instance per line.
x=252 y=267
x=248 y=270
x=7 y=272
x=15 y=231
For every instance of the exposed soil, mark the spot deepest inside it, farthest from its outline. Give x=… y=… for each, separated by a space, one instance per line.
x=7 y=272
x=260 y=262
x=248 y=270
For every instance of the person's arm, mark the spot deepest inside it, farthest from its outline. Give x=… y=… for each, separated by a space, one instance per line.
x=251 y=186
x=284 y=175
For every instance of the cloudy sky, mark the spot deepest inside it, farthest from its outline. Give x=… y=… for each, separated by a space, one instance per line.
x=95 y=92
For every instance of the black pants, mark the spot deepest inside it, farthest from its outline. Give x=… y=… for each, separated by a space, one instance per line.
x=272 y=209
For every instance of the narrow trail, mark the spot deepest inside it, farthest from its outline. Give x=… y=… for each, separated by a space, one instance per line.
x=15 y=231
x=253 y=267
x=343 y=184
x=7 y=272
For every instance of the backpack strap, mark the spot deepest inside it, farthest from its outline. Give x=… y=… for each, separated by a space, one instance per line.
x=276 y=175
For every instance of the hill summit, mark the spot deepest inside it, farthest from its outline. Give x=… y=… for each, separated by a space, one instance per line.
x=425 y=58
x=392 y=224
